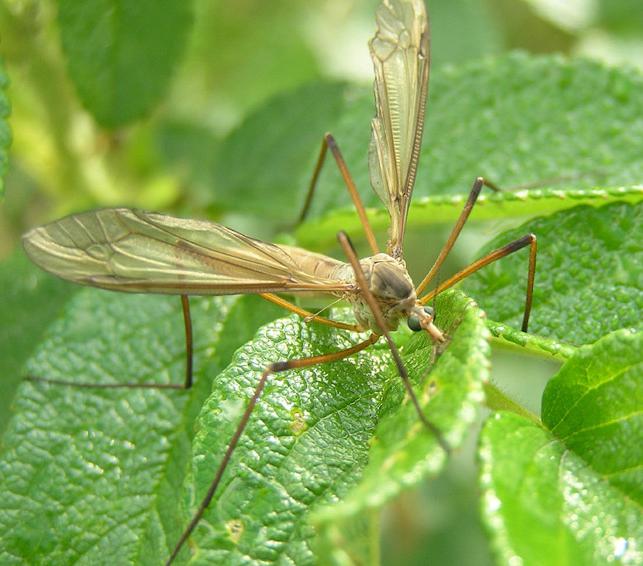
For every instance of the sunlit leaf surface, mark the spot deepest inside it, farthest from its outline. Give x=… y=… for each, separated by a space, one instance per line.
x=341 y=430
x=571 y=489
x=588 y=279
x=93 y=476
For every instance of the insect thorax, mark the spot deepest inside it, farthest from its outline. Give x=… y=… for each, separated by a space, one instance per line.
x=390 y=284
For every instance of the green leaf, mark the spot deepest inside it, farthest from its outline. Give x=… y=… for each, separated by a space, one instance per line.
x=282 y=134
x=402 y=454
x=512 y=338
x=563 y=126
x=455 y=20
x=121 y=54
x=594 y=406
x=334 y=431
x=588 y=278
x=350 y=542
x=93 y=476
x=5 y=132
x=571 y=490
x=31 y=299
x=242 y=53
x=320 y=233
x=190 y=151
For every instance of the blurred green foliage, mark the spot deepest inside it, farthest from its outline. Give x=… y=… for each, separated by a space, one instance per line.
x=187 y=108
x=132 y=108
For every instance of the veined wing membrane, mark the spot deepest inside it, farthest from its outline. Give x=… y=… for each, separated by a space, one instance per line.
x=400 y=53
x=140 y=252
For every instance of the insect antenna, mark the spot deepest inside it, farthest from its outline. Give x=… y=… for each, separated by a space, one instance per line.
x=349 y=250
x=309 y=316
x=316 y=314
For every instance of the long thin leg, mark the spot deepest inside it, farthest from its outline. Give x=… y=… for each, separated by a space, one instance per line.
x=328 y=142
x=189 y=346
x=455 y=232
x=272 y=368
x=309 y=316
x=187 y=320
x=464 y=215
x=347 y=246
x=528 y=240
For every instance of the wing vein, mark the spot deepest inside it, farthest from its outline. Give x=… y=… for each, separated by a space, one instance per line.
x=135 y=251
x=401 y=59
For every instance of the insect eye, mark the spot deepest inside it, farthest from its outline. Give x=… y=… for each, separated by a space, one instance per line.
x=414 y=323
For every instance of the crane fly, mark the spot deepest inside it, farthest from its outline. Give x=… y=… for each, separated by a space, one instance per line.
x=141 y=252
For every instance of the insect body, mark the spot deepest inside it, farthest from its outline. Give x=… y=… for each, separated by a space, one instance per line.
x=392 y=287
x=141 y=252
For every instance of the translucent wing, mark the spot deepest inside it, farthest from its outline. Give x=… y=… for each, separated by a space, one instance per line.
x=400 y=53
x=141 y=252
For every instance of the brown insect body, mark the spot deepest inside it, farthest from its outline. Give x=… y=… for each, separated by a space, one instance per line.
x=391 y=286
